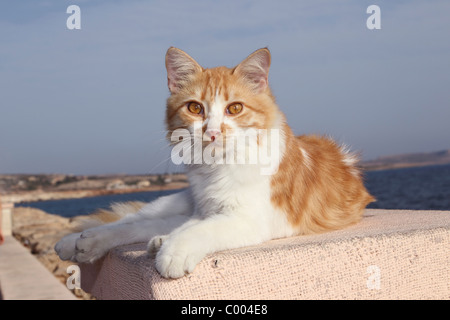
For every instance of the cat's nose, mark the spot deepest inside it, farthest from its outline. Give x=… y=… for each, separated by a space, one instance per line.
x=213 y=134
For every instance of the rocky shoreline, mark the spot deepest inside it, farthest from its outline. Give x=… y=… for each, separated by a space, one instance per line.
x=39 y=231
x=41 y=187
x=42 y=195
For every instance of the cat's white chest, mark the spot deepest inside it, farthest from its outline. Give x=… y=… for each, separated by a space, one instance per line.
x=230 y=187
x=242 y=192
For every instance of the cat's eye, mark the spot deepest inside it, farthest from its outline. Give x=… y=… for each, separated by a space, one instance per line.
x=195 y=107
x=234 y=108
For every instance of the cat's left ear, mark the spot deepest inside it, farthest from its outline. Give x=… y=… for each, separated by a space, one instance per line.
x=255 y=69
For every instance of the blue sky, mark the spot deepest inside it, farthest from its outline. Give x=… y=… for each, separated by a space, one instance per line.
x=92 y=101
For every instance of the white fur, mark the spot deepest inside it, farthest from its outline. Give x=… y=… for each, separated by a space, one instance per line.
x=233 y=209
x=215 y=114
x=306 y=159
x=349 y=159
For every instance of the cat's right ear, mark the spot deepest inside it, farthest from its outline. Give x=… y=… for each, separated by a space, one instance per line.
x=180 y=68
x=255 y=69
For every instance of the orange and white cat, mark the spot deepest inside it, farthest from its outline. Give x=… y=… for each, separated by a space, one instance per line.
x=314 y=185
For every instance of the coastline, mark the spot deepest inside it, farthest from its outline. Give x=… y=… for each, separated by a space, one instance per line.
x=409 y=160
x=44 y=195
x=381 y=167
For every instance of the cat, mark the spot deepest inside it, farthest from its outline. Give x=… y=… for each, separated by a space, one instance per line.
x=315 y=185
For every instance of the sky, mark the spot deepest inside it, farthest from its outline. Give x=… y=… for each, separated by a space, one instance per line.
x=92 y=101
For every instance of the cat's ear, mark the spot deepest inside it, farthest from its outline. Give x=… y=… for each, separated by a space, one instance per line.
x=180 y=68
x=255 y=69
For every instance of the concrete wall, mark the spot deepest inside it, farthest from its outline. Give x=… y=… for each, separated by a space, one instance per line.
x=390 y=254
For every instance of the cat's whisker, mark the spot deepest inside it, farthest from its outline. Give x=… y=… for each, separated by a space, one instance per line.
x=159 y=164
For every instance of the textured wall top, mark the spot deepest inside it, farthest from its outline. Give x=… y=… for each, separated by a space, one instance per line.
x=390 y=254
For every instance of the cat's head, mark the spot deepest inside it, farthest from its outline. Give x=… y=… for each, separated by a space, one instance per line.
x=217 y=103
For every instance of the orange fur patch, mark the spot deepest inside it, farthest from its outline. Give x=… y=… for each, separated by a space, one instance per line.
x=315 y=188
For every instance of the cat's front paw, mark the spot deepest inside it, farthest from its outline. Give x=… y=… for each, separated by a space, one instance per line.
x=91 y=246
x=155 y=244
x=65 y=248
x=176 y=258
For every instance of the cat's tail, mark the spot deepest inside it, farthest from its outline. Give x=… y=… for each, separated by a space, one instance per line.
x=116 y=212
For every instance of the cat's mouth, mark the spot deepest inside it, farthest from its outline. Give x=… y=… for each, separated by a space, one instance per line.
x=214 y=142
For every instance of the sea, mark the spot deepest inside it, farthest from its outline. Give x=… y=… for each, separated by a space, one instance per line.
x=419 y=188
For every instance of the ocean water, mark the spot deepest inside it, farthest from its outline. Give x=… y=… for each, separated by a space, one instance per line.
x=424 y=188
x=74 y=207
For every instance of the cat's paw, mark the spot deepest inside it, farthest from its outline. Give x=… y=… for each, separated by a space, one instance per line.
x=91 y=245
x=177 y=257
x=65 y=248
x=155 y=244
